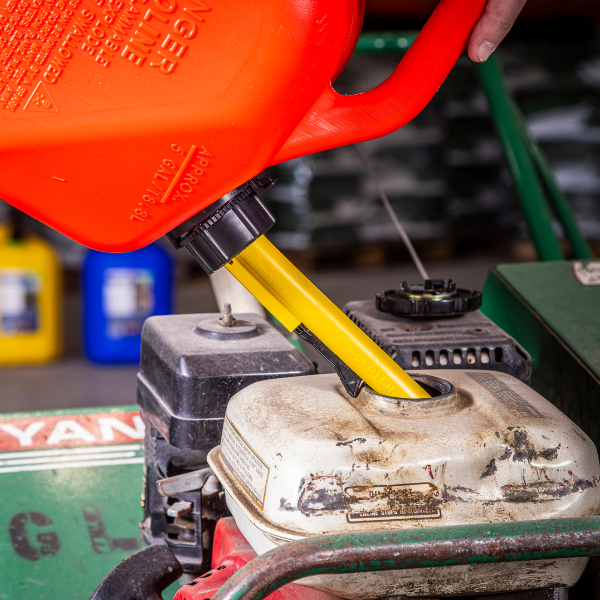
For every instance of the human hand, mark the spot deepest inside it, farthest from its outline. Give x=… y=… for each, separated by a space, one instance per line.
x=490 y=30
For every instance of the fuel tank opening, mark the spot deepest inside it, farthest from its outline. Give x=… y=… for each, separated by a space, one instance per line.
x=434 y=386
x=443 y=397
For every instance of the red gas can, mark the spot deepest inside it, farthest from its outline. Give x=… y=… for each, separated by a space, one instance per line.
x=119 y=119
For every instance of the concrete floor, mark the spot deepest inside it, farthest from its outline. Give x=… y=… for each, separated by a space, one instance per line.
x=72 y=381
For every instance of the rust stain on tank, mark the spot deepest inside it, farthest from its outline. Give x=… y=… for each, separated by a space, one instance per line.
x=490 y=468
x=520 y=448
x=322 y=494
x=438 y=472
x=350 y=442
x=544 y=491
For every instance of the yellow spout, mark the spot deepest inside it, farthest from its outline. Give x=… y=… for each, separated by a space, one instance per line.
x=287 y=294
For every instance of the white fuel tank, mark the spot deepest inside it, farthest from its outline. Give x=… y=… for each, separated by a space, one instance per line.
x=300 y=457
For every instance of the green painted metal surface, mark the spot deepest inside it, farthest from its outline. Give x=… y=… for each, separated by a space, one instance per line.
x=70 y=484
x=579 y=245
x=519 y=160
x=557 y=320
x=530 y=170
x=571 y=310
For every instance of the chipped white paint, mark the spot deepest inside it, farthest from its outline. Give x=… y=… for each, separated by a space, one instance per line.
x=492 y=450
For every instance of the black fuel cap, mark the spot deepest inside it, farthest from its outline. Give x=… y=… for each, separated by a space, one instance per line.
x=434 y=298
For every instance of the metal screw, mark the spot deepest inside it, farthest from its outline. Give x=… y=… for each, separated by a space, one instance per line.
x=227 y=320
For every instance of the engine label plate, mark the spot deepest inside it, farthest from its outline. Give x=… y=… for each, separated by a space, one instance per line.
x=393 y=502
x=248 y=468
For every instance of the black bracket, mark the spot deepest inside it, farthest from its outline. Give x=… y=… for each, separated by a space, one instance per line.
x=352 y=382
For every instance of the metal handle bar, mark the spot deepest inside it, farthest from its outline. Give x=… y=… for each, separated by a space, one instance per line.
x=413 y=549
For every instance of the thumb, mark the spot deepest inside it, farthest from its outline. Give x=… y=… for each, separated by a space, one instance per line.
x=496 y=21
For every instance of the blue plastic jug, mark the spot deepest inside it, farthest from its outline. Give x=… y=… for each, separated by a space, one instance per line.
x=120 y=291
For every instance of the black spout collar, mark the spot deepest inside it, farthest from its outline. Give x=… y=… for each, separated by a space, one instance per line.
x=220 y=232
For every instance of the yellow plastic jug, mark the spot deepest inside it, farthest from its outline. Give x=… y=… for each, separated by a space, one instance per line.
x=30 y=293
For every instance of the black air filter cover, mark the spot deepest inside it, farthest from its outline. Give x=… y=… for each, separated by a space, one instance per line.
x=191 y=366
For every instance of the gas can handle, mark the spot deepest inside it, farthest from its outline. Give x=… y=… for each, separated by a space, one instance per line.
x=337 y=120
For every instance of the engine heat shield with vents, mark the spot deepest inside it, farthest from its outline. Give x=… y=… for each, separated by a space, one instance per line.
x=469 y=341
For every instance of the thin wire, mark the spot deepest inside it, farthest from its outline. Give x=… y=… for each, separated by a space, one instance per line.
x=391 y=213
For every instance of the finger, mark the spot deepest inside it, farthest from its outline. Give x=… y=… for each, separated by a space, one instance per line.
x=496 y=21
